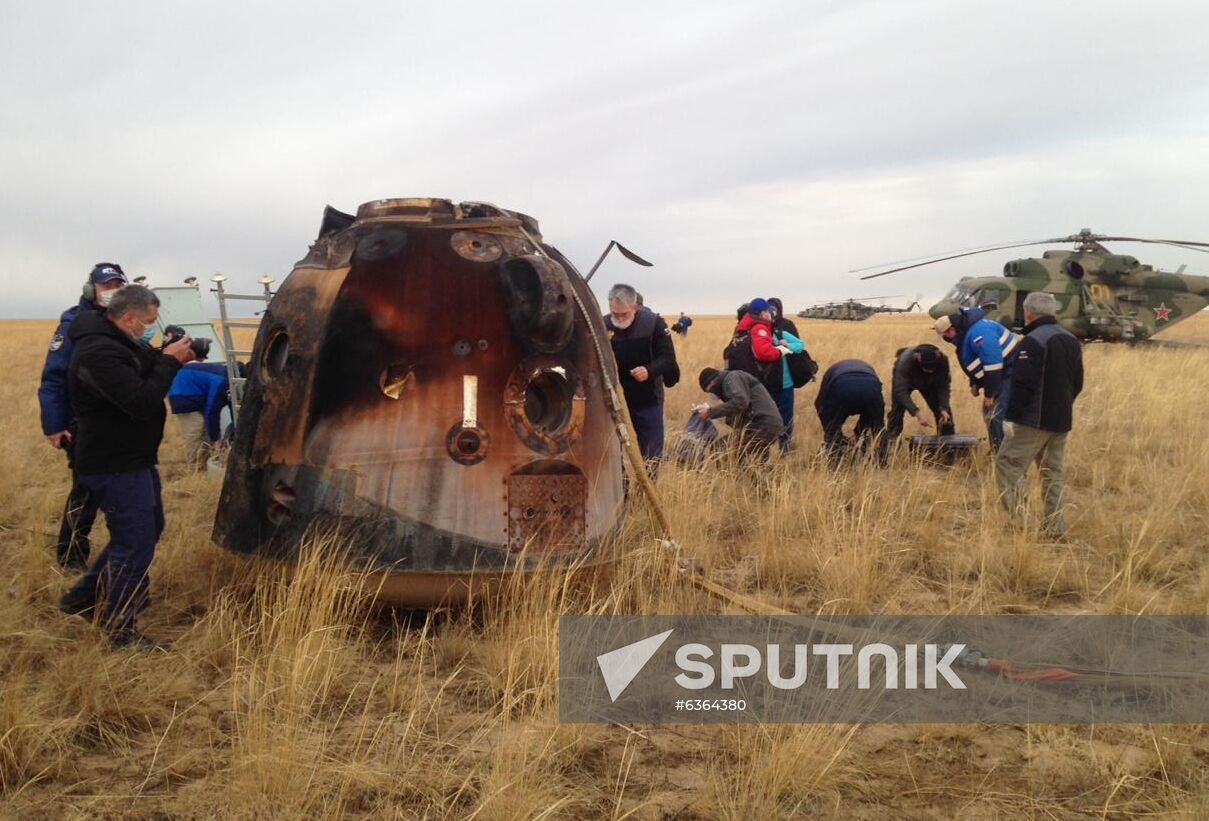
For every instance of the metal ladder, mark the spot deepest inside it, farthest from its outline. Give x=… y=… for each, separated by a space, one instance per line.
x=233 y=354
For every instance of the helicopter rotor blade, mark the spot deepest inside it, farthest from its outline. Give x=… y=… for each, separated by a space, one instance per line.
x=1188 y=247
x=972 y=248
x=1180 y=242
x=959 y=256
x=1203 y=247
x=1082 y=237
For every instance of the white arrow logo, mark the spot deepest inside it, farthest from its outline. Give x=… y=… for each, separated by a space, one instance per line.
x=620 y=666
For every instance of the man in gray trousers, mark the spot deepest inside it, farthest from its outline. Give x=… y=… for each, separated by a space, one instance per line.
x=1047 y=377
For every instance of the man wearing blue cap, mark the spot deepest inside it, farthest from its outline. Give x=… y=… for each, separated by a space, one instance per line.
x=58 y=417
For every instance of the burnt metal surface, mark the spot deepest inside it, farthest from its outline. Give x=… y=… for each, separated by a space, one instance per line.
x=545 y=404
x=411 y=367
x=546 y=513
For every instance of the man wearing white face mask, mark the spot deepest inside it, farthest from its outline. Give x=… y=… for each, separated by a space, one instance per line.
x=58 y=418
x=646 y=364
x=118 y=387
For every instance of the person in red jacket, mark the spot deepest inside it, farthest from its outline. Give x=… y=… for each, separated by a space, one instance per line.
x=753 y=349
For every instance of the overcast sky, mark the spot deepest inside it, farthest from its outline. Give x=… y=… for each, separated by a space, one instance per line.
x=746 y=148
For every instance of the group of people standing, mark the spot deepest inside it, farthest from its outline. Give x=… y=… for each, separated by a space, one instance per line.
x=755 y=389
x=1028 y=383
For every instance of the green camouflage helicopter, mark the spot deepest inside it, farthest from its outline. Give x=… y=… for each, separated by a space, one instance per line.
x=852 y=310
x=1102 y=295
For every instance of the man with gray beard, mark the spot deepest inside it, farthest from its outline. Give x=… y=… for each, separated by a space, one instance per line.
x=646 y=364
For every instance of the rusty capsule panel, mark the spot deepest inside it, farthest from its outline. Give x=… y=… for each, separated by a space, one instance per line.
x=425 y=380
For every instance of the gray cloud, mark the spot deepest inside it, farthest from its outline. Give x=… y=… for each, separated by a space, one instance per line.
x=769 y=145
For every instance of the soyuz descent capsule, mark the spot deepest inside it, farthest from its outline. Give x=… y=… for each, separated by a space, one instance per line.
x=430 y=379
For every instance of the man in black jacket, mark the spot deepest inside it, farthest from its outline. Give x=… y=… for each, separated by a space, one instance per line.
x=646 y=362
x=922 y=368
x=851 y=387
x=118 y=384
x=1045 y=381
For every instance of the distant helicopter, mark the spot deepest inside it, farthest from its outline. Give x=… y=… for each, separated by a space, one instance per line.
x=435 y=381
x=1101 y=295
x=852 y=310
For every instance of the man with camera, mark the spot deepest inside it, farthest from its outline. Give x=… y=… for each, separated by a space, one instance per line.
x=118 y=384
x=58 y=418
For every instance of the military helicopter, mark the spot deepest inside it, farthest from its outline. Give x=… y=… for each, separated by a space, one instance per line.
x=852 y=310
x=1102 y=295
x=431 y=381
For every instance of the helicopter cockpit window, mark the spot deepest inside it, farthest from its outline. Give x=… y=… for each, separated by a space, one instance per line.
x=960 y=295
x=989 y=297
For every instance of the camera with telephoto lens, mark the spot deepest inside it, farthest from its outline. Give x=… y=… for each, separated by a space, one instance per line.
x=199 y=345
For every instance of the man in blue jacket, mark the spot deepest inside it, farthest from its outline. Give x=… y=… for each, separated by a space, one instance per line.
x=59 y=419
x=986 y=351
x=198 y=394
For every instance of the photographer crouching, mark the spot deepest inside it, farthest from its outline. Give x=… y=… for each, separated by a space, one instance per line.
x=118 y=384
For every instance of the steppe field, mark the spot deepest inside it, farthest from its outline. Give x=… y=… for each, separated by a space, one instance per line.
x=294 y=699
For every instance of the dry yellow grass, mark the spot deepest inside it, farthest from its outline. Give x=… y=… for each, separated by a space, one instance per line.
x=291 y=699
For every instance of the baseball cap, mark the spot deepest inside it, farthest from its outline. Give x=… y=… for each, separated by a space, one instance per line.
x=106 y=272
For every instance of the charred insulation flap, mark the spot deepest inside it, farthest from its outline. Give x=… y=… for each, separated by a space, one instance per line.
x=334 y=222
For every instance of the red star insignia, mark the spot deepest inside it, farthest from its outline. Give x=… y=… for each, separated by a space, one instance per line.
x=1162 y=312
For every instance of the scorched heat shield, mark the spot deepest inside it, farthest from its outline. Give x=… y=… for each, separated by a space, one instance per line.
x=427 y=381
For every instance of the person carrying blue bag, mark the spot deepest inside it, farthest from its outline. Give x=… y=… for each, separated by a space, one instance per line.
x=797 y=368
